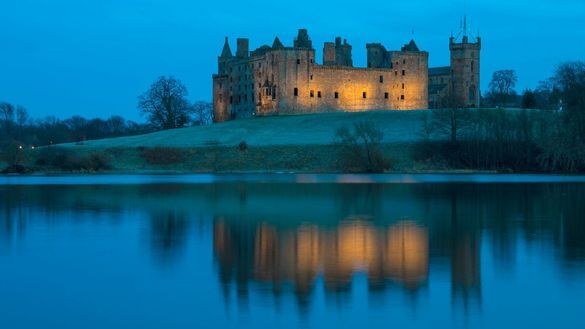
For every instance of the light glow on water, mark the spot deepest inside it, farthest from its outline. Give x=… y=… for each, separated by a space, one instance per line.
x=238 y=253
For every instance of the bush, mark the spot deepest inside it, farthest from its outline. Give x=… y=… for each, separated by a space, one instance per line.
x=162 y=156
x=360 y=149
x=64 y=159
x=243 y=146
x=15 y=169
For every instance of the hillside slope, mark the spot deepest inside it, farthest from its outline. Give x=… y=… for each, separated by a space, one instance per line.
x=310 y=129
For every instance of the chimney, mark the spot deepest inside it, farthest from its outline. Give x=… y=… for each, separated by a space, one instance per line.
x=242 y=50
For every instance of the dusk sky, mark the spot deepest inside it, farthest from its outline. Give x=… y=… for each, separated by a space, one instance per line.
x=93 y=58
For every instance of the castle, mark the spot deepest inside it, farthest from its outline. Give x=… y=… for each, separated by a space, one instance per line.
x=287 y=80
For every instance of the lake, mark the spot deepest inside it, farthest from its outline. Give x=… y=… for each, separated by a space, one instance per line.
x=290 y=251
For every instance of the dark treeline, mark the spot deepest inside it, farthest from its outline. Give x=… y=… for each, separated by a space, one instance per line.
x=17 y=127
x=552 y=139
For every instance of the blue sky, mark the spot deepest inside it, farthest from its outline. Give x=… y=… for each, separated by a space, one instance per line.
x=93 y=58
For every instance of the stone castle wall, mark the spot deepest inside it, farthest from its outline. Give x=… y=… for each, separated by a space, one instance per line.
x=287 y=80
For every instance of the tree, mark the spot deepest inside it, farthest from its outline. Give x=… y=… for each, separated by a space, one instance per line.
x=564 y=144
x=451 y=119
x=360 y=148
x=202 y=113
x=7 y=117
x=528 y=99
x=502 y=87
x=165 y=103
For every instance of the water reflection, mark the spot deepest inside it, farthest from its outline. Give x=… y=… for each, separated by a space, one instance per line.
x=287 y=240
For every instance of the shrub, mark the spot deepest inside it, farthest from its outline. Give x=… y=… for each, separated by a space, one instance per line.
x=162 y=156
x=243 y=146
x=65 y=159
x=360 y=149
x=15 y=169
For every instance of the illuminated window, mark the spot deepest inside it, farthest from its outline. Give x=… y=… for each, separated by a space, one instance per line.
x=312 y=93
x=336 y=94
x=386 y=95
x=296 y=91
x=364 y=95
x=381 y=79
x=319 y=94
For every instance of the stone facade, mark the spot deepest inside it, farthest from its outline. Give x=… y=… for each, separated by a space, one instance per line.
x=457 y=84
x=287 y=80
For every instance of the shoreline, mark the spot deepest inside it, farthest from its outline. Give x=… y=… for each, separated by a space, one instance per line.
x=286 y=178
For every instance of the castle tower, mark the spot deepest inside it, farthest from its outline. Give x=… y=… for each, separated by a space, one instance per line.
x=302 y=40
x=465 y=69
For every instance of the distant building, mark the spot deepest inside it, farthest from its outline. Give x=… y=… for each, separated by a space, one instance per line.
x=287 y=80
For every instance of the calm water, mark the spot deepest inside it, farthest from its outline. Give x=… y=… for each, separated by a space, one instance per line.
x=266 y=252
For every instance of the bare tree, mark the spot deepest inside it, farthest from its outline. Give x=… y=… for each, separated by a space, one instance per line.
x=7 y=117
x=360 y=147
x=502 y=86
x=451 y=119
x=165 y=103
x=202 y=113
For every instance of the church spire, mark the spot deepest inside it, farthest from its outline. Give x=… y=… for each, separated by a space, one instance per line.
x=226 y=51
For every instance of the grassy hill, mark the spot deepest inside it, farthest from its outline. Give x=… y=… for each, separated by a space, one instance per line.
x=295 y=143
x=310 y=129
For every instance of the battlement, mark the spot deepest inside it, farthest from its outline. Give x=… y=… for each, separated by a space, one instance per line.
x=283 y=79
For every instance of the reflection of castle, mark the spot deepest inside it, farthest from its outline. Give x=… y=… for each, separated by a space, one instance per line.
x=399 y=253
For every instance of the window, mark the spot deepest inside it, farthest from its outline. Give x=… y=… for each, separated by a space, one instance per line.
x=259 y=96
x=267 y=91
x=336 y=94
x=296 y=91
x=318 y=94
x=403 y=86
x=402 y=97
x=364 y=95
x=312 y=93
x=311 y=61
x=386 y=95
x=298 y=61
x=274 y=92
x=404 y=61
x=311 y=77
x=396 y=73
x=381 y=79
x=403 y=72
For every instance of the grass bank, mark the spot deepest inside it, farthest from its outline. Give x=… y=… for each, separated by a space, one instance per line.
x=299 y=143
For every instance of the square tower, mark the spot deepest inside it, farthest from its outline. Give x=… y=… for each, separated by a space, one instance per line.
x=465 y=72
